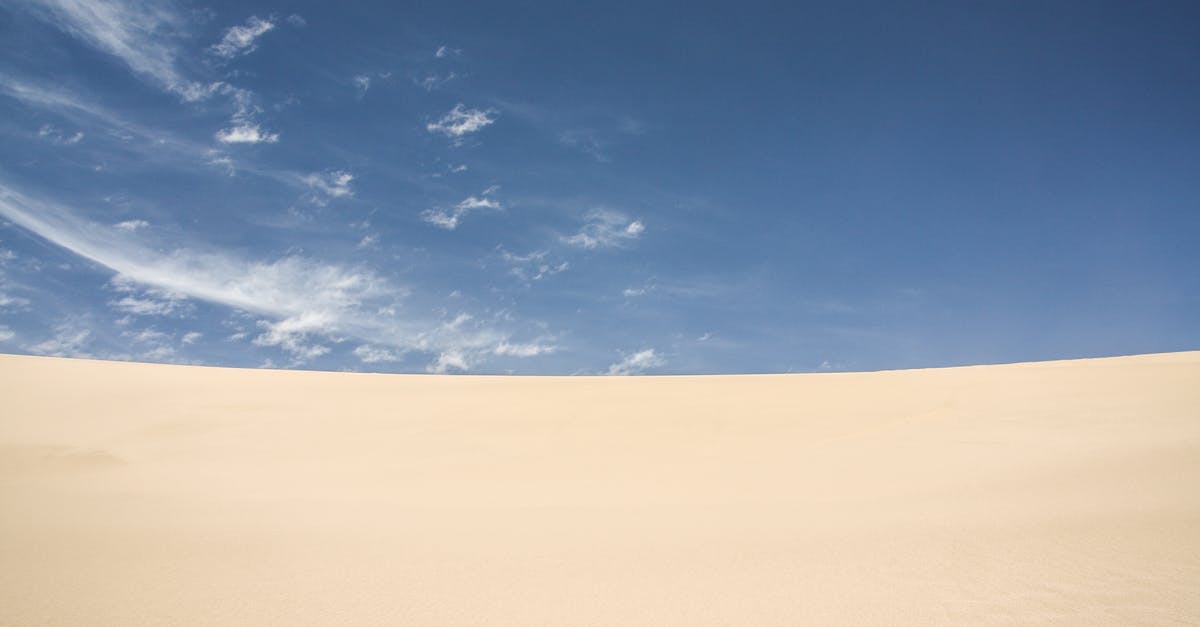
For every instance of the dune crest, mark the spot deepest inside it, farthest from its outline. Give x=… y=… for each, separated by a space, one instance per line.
x=141 y=494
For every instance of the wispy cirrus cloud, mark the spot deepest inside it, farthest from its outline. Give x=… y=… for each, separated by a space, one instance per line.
x=637 y=363
x=244 y=127
x=449 y=218
x=141 y=34
x=138 y=300
x=8 y=300
x=150 y=344
x=461 y=121
x=431 y=82
x=68 y=341
x=241 y=40
x=303 y=305
x=160 y=145
x=524 y=350
x=146 y=36
x=145 y=306
x=369 y=354
x=333 y=184
x=52 y=134
x=246 y=133
x=80 y=110
x=130 y=226
x=464 y=358
x=221 y=160
x=641 y=290
x=449 y=361
x=605 y=228
x=533 y=266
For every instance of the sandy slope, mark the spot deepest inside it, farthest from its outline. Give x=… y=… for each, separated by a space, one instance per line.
x=1053 y=492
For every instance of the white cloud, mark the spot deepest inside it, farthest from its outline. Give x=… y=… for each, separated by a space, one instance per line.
x=369 y=240
x=244 y=128
x=191 y=337
x=130 y=226
x=449 y=218
x=194 y=91
x=646 y=288
x=147 y=36
x=240 y=40
x=533 y=266
x=294 y=334
x=146 y=336
x=637 y=362
x=435 y=81
x=246 y=133
x=141 y=34
x=16 y=302
x=6 y=333
x=300 y=303
x=150 y=345
x=68 y=341
x=141 y=301
x=161 y=352
x=154 y=143
x=8 y=300
x=450 y=360
x=460 y=121
x=291 y=287
x=362 y=82
x=369 y=354
x=523 y=350
x=334 y=184
x=297 y=20
x=222 y=161
x=146 y=306
x=605 y=229
x=444 y=51
x=463 y=356
x=51 y=134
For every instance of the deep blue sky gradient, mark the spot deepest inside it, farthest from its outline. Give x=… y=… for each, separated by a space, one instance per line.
x=840 y=186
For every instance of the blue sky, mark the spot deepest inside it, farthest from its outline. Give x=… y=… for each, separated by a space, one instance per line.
x=591 y=188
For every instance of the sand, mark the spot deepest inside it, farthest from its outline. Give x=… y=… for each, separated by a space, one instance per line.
x=1058 y=492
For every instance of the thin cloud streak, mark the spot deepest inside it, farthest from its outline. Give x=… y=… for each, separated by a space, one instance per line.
x=241 y=40
x=637 y=363
x=145 y=36
x=450 y=219
x=305 y=302
x=606 y=229
x=136 y=32
x=461 y=121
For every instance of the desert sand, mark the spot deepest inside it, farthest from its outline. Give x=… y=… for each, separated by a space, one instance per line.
x=1057 y=492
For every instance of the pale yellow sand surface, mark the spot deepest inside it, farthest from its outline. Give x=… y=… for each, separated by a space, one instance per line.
x=1058 y=492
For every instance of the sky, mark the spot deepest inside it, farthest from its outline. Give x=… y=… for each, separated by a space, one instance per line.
x=598 y=188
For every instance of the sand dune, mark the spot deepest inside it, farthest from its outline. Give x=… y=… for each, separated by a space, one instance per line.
x=1058 y=492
